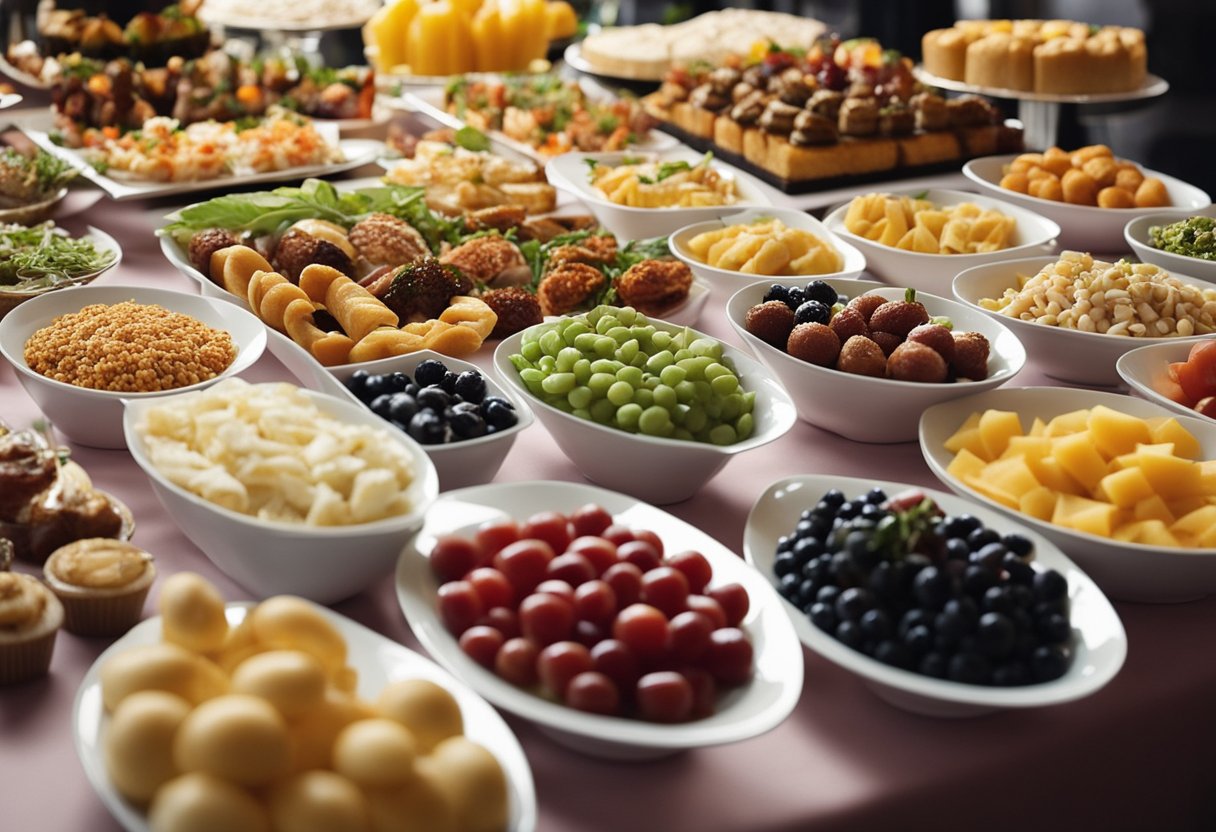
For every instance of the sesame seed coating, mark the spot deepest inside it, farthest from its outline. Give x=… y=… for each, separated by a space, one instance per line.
x=129 y=348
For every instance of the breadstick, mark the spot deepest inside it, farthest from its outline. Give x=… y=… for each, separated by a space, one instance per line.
x=232 y=267
x=286 y=307
x=356 y=309
x=472 y=313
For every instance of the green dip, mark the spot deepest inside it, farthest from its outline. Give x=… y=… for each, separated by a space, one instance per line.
x=1192 y=237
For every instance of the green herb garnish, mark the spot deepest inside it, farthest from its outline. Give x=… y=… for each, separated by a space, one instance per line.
x=470 y=138
x=42 y=255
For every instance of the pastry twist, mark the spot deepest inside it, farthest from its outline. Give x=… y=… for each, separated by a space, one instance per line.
x=356 y=309
x=232 y=267
x=285 y=306
x=459 y=331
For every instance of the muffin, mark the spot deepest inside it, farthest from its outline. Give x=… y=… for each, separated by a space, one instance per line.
x=102 y=584
x=30 y=617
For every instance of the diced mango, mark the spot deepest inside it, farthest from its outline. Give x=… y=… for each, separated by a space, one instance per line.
x=1153 y=508
x=1170 y=476
x=967 y=439
x=1116 y=433
x=965 y=464
x=1154 y=533
x=1012 y=476
x=1052 y=474
x=1184 y=442
x=1084 y=515
x=1185 y=505
x=1067 y=423
x=1079 y=456
x=1125 y=488
x=997 y=427
x=1037 y=428
x=1207 y=539
x=1040 y=503
x=1196 y=522
x=990 y=490
x=1029 y=447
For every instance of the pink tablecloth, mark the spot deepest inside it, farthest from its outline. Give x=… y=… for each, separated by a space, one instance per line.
x=1136 y=756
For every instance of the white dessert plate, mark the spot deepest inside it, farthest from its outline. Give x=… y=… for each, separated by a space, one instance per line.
x=377 y=659
x=1152 y=87
x=742 y=712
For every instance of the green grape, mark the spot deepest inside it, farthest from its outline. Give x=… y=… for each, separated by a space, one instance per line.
x=724 y=385
x=686 y=391
x=665 y=396
x=627 y=315
x=745 y=425
x=602 y=411
x=585 y=342
x=706 y=347
x=643 y=397
x=660 y=340
x=547 y=364
x=683 y=355
x=704 y=391
x=651 y=382
x=582 y=413
x=628 y=351
x=678 y=413
x=659 y=360
x=749 y=401
x=627 y=417
x=732 y=406
x=574 y=329
x=604 y=347
x=630 y=375
x=566 y=359
x=672 y=375
x=582 y=370
x=531 y=351
x=520 y=363
x=559 y=384
x=681 y=433
x=714 y=370
x=620 y=393
x=620 y=335
x=696 y=420
x=599 y=383
x=579 y=397
x=606 y=323
x=723 y=435
x=655 y=421
x=551 y=342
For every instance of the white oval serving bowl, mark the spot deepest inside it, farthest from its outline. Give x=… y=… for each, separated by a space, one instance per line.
x=726 y=280
x=1125 y=571
x=657 y=470
x=459 y=464
x=932 y=272
x=569 y=173
x=1084 y=227
x=1099 y=641
x=1146 y=368
x=321 y=563
x=863 y=408
x=94 y=417
x=1135 y=233
x=742 y=712
x=1066 y=354
x=378 y=660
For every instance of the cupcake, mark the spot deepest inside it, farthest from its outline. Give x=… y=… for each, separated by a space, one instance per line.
x=102 y=584
x=30 y=617
x=6 y=554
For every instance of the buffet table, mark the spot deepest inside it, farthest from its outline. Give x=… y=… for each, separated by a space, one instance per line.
x=1135 y=756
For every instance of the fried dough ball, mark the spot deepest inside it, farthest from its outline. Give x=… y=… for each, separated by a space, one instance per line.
x=1047 y=188
x=814 y=343
x=887 y=341
x=1094 y=151
x=1152 y=194
x=771 y=322
x=849 y=322
x=937 y=337
x=1056 y=161
x=653 y=286
x=865 y=305
x=1102 y=169
x=861 y=356
x=568 y=287
x=1128 y=177
x=516 y=308
x=1079 y=188
x=914 y=361
x=385 y=240
x=899 y=317
x=1015 y=182
x=1114 y=197
x=970 y=356
x=490 y=260
x=208 y=242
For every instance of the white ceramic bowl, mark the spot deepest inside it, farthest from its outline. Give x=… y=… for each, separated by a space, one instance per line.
x=725 y=280
x=657 y=470
x=1146 y=369
x=1099 y=642
x=1136 y=235
x=932 y=272
x=94 y=417
x=1125 y=571
x=460 y=464
x=322 y=563
x=742 y=713
x=1083 y=227
x=863 y=408
x=377 y=659
x=1065 y=354
x=569 y=173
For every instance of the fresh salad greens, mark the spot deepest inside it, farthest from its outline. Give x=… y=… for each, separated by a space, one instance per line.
x=33 y=178
x=41 y=256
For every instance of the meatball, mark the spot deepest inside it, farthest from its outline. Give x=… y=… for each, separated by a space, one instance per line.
x=970 y=356
x=887 y=341
x=937 y=337
x=490 y=260
x=771 y=322
x=385 y=240
x=569 y=287
x=813 y=343
x=914 y=361
x=899 y=317
x=654 y=286
x=516 y=309
x=863 y=357
x=298 y=249
x=847 y=323
x=208 y=242
x=866 y=304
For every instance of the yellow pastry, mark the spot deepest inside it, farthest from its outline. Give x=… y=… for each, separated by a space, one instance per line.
x=30 y=618
x=102 y=584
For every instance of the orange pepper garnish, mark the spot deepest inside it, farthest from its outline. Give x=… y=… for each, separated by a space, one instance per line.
x=99 y=85
x=249 y=94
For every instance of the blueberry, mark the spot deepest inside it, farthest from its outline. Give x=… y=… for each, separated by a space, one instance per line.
x=998 y=599
x=427 y=428
x=357 y=384
x=498 y=413
x=823 y=617
x=833 y=498
x=381 y=404
x=784 y=564
x=807 y=548
x=1019 y=571
x=935 y=665
x=876 y=624
x=977 y=579
x=471 y=386
x=788 y=588
x=794 y=297
x=853 y=603
x=919 y=639
x=848 y=510
x=803 y=528
x=914 y=618
x=777 y=292
x=875 y=497
x=828 y=594
x=1020 y=545
x=412 y=389
x=848 y=633
x=434 y=398
x=960 y=525
x=981 y=537
x=1050 y=586
x=812 y=312
x=996 y=635
x=843 y=569
x=785 y=544
x=965 y=609
x=1047 y=663
x=807 y=590
x=378 y=385
x=822 y=292
x=448 y=382
x=957 y=549
x=429 y=372
x=1011 y=674
x=990 y=556
x=893 y=653
x=467 y=424
x=1054 y=629
x=932 y=587
x=969 y=668
x=857 y=545
x=402 y=407
x=399 y=382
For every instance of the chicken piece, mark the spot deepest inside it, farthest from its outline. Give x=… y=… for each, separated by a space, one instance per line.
x=591 y=250
x=492 y=260
x=654 y=286
x=385 y=240
x=568 y=287
x=499 y=218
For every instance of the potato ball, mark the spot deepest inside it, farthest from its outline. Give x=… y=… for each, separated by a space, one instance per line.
x=1079 y=188
x=200 y=802
x=861 y=356
x=913 y=361
x=192 y=613
x=240 y=738
x=1128 y=178
x=771 y=322
x=1152 y=194
x=290 y=680
x=312 y=734
x=166 y=667
x=240 y=643
x=375 y=752
x=1102 y=169
x=427 y=709
x=418 y=806
x=814 y=343
x=319 y=801
x=139 y=742
x=1047 y=189
x=1113 y=197
x=290 y=623
x=473 y=781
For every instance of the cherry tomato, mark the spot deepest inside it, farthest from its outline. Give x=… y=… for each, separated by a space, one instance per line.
x=546 y=618
x=704 y=691
x=729 y=657
x=643 y=629
x=458 y=606
x=665 y=696
x=590 y=520
x=594 y=693
x=666 y=589
x=1197 y=376
x=709 y=608
x=588 y=633
x=549 y=526
x=524 y=563
x=595 y=601
x=453 y=557
x=559 y=663
x=496 y=535
x=688 y=636
x=1207 y=407
x=599 y=552
x=734 y=601
x=617 y=662
x=626 y=581
x=482 y=644
x=492 y=587
x=640 y=553
x=516 y=661
x=503 y=619
x=647 y=536
x=556 y=587
x=573 y=568
x=695 y=567
x=617 y=534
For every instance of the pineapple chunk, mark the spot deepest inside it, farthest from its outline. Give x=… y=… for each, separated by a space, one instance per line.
x=1125 y=488
x=1185 y=505
x=1028 y=447
x=1039 y=502
x=1171 y=477
x=1012 y=476
x=1037 y=428
x=1154 y=533
x=1196 y=522
x=1153 y=508
x=1171 y=431
x=1067 y=423
x=1084 y=515
x=990 y=490
x=965 y=464
x=1080 y=458
x=1116 y=433
x=1052 y=474
x=997 y=427
x=968 y=437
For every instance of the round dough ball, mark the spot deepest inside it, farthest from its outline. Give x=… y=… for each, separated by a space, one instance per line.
x=312 y=734
x=473 y=781
x=290 y=680
x=166 y=667
x=288 y=623
x=319 y=801
x=139 y=742
x=201 y=803
x=427 y=709
x=418 y=806
x=375 y=752
x=239 y=644
x=192 y=613
x=240 y=738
